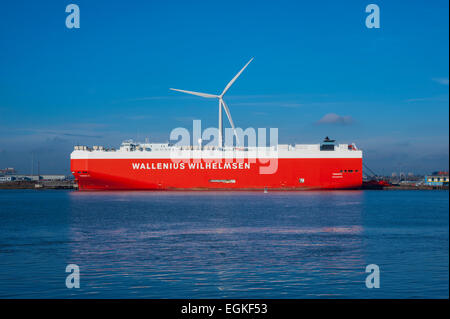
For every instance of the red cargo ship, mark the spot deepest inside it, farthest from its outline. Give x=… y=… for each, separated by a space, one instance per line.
x=165 y=167
x=147 y=166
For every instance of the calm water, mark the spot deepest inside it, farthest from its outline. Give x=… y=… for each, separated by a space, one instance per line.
x=221 y=244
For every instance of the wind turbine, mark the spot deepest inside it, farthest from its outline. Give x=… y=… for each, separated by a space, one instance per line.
x=221 y=102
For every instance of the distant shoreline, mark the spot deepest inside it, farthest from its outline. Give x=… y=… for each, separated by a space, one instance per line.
x=68 y=184
x=73 y=185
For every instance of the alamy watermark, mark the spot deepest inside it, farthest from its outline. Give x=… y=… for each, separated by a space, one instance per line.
x=241 y=148
x=73 y=279
x=373 y=279
x=73 y=19
x=373 y=19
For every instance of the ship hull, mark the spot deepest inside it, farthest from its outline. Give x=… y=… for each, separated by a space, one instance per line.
x=164 y=174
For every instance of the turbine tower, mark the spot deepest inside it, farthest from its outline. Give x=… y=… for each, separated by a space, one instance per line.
x=221 y=103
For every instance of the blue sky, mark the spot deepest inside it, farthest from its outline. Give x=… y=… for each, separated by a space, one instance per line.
x=317 y=71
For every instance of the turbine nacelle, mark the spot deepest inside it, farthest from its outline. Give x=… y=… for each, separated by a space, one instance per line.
x=221 y=102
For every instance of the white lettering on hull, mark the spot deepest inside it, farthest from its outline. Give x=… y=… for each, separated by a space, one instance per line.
x=193 y=166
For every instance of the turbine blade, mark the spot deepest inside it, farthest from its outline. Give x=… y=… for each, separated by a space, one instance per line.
x=210 y=96
x=227 y=111
x=235 y=78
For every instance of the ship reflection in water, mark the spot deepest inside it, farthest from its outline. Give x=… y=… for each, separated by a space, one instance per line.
x=228 y=244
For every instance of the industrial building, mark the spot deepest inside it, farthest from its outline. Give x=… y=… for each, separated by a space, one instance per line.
x=10 y=175
x=7 y=171
x=437 y=179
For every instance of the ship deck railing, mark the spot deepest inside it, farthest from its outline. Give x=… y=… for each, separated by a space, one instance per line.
x=279 y=147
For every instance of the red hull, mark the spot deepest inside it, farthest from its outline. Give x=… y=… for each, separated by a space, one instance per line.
x=291 y=174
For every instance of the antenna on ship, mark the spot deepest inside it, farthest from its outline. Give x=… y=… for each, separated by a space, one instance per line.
x=221 y=103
